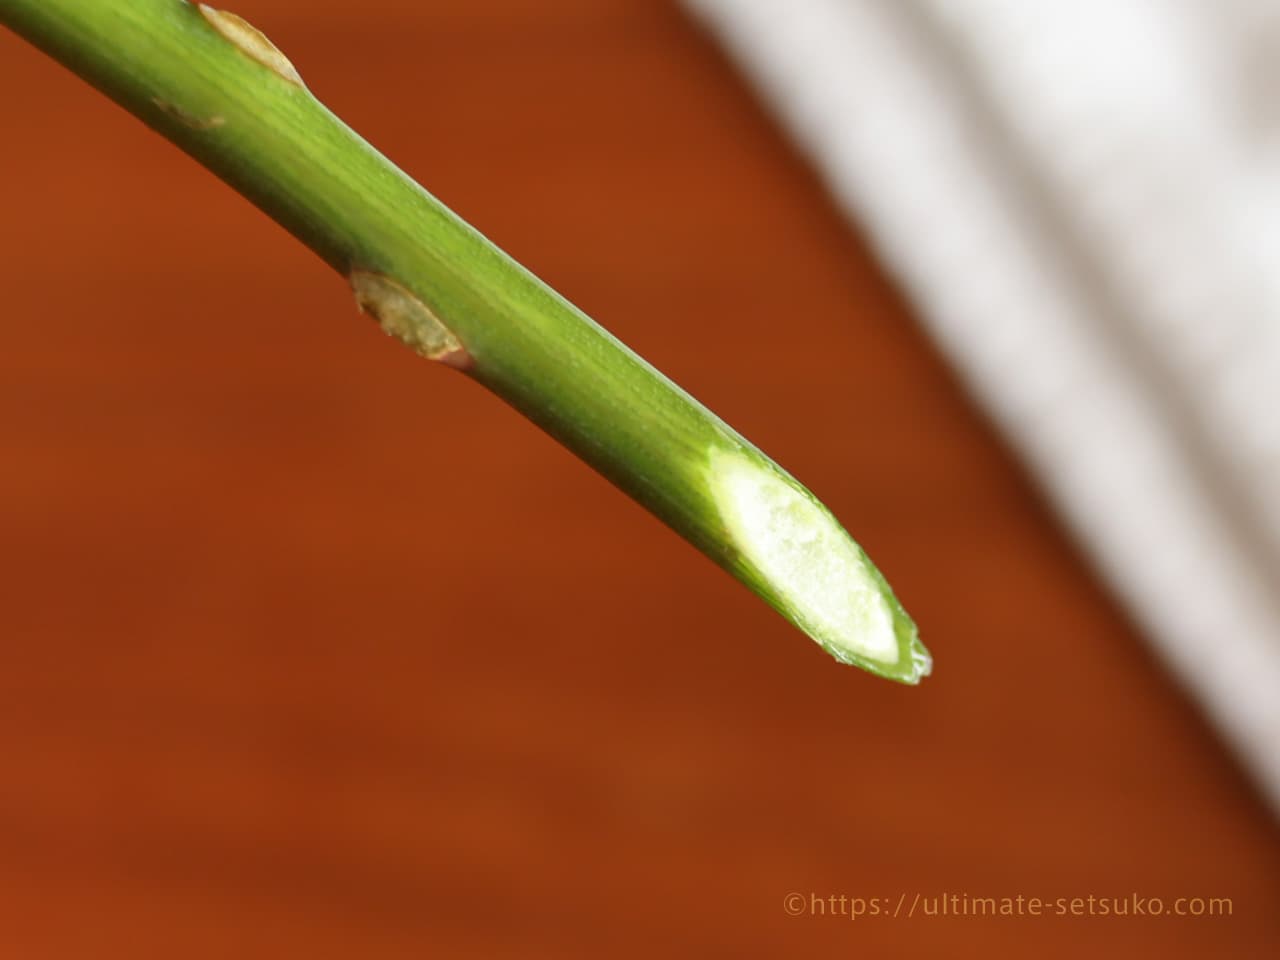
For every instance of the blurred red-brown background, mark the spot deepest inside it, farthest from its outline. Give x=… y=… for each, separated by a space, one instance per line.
x=314 y=649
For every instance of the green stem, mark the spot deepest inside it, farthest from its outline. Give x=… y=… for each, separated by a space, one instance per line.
x=214 y=86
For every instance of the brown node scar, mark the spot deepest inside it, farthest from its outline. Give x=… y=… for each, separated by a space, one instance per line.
x=186 y=118
x=405 y=317
x=250 y=41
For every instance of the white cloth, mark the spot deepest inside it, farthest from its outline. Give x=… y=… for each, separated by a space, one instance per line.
x=1082 y=198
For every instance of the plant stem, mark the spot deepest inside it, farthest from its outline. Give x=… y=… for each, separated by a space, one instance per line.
x=218 y=89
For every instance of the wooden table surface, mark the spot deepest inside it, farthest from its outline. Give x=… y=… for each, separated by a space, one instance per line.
x=313 y=649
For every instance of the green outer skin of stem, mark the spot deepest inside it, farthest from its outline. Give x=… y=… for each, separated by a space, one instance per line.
x=275 y=143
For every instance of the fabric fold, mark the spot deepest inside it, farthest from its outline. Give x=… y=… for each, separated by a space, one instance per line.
x=1082 y=200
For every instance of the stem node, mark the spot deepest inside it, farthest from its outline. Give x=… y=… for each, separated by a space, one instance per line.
x=403 y=316
x=251 y=41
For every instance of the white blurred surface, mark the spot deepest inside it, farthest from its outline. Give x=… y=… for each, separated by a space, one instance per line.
x=1082 y=198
